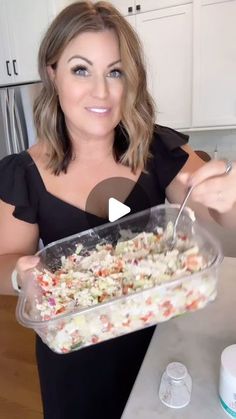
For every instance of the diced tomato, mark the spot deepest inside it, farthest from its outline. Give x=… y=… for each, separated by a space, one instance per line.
x=109 y=326
x=104 y=318
x=193 y=262
x=147 y=316
x=64 y=350
x=102 y=272
x=42 y=281
x=45 y=318
x=149 y=300
x=194 y=305
x=119 y=266
x=95 y=339
x=55 y=281
x=126 y=323
x=166 y=304
x=39 y=278
x=169 y=309
x=168 y=312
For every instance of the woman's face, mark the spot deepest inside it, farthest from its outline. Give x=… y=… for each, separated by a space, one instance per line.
x=90 y=84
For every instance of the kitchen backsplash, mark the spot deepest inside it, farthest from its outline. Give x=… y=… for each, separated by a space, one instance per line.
x=217 y=143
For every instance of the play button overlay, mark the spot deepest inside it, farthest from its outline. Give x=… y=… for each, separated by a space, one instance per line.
x=115 y=199
x=116 y=209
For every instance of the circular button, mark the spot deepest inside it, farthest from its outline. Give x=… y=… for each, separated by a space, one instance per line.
x=114 y=198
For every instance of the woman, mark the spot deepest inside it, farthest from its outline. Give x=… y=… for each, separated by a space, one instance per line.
x=94 y=120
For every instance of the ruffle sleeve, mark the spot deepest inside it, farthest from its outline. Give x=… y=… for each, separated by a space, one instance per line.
x=16 y=187
x=168 y=157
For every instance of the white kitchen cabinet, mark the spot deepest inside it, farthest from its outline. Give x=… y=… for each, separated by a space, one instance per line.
x=165 y=30
x=191 y=58
x=5 y=55
x=166 y=35
x=127 y=7
x=214 y=99
x=22 y=24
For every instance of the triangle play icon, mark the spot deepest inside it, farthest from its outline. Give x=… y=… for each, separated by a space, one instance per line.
x=116 y=209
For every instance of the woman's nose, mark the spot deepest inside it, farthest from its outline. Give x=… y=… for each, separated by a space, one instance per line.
x=100 y=88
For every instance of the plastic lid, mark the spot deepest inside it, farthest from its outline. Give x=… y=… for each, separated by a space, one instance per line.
x=228 y=360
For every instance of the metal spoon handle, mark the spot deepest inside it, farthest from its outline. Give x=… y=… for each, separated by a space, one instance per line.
x=228 y=168
x=180 y=211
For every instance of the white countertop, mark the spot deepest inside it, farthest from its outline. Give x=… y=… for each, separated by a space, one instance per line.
x=197 y=340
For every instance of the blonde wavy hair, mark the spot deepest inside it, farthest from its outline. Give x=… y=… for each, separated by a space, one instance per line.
x=138 y=115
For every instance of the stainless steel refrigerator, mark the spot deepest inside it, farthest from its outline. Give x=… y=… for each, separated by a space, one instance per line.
x=17 y=131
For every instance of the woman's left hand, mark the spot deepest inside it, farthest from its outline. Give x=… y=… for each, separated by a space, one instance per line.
x=213 y=187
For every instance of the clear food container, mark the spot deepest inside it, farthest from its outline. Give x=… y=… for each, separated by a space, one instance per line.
x=114 y=279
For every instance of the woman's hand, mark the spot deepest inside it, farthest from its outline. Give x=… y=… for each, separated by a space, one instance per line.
x=213 y=187
x=23 y=267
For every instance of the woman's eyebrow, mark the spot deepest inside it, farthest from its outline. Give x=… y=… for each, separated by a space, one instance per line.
x=90 y=62
x=115 y=62
x=82 y=58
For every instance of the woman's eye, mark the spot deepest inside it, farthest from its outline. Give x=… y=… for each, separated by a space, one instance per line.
x=80 y=71
x=116 y=74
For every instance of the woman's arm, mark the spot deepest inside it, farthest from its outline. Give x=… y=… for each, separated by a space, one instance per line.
x=17 y=238
x=214 y=194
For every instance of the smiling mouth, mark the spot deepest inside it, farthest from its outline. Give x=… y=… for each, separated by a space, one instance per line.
x=100 y=111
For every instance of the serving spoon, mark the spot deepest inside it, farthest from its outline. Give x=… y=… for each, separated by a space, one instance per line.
x=171 y=242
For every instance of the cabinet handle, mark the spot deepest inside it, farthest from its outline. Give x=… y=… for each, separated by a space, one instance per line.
x=138 y=7
x=7 y=65
x=130 y=9
x=14 y=67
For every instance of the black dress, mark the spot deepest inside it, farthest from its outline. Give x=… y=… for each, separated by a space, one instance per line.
x=93 y=382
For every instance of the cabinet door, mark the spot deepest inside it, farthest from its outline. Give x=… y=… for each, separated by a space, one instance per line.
x=27 y=21
x=6 y=71
x=137 y=6
x=124 y=6
x=167 y=39
x=148 y=5
x=215 y=64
